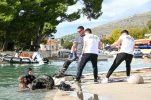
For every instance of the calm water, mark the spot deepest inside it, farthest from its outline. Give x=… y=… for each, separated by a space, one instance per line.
x=10 y=73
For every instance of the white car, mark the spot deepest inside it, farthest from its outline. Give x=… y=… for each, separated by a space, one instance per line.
x=138 y=53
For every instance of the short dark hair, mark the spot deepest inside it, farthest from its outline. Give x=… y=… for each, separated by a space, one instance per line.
x=29 y=69
x=81 y=27
x=125 y=31
x=88 y=30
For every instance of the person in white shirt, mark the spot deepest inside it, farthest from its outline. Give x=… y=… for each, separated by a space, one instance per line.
x=89 y=53
x=37 y=57
x=126 y=43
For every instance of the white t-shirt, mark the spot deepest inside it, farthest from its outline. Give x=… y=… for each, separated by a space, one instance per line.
x=92 y=43
x=127 y=45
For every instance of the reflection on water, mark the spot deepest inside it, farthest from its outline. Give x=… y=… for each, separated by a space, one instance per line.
x=87 y=96
x=81 y=94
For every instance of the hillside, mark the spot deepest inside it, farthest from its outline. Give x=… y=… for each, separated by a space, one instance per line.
x=138 y=20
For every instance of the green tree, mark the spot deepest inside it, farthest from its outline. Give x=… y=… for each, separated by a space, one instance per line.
x=26 y=20
x=136 y=33
x=148 y=27
x=114 y=35
x=62 y=42
x=67 y=44
x=149 y=24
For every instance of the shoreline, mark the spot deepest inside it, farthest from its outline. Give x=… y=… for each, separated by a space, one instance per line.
x=103 y=91
x=88 y=90
x=87 y=74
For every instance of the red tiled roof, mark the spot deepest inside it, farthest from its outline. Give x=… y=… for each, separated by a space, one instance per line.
x=142 y=41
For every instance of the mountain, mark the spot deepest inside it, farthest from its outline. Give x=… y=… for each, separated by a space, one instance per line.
x=139 y=20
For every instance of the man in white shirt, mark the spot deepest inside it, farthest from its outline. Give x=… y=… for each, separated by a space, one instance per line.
x=89 y=53
x=125 y=54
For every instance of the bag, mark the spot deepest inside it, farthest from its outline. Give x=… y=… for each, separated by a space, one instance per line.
x=65 y=87
x=42 y=82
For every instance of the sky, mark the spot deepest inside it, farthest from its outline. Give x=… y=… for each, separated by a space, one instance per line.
x=112 y=10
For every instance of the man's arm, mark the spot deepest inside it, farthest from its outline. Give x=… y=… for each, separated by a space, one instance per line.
x=74 y=47
x=118 y=42
x=99 y=45
x=84 y=46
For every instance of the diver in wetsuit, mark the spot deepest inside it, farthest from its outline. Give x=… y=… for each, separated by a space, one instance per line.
x=29 y=77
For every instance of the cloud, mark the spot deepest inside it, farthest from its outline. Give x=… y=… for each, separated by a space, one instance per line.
x=74 y=8
x=117 y=7
x=112 y=10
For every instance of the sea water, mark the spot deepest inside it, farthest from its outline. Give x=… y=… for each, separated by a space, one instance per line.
x=9 y=74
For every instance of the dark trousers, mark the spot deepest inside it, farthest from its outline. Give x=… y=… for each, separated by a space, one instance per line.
x=85 y=58
x=118 y=60
x=65 y=66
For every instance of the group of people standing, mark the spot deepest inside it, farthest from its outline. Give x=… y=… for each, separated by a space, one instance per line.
x=85 y=48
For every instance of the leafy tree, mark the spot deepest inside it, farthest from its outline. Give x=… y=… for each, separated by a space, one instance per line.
x=114 y=35
x=136 y=33
x=148 y=27
x=67 y=44
x=62 y=42
x=26 y=20
x=149 y=24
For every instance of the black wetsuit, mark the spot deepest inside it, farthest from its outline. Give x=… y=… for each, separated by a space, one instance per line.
x=29 y=79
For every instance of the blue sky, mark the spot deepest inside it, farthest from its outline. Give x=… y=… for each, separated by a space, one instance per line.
x=112 y=10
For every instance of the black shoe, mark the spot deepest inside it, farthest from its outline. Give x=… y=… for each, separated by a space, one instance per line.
x=95 y=81
x=78 y=81
x=59 y=75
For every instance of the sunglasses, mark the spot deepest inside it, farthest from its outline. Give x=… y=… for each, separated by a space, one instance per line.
x=79 y=31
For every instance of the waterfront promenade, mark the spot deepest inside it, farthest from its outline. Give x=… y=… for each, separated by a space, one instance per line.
x=109 y=91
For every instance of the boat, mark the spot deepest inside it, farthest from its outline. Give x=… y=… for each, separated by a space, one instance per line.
x=23 y=60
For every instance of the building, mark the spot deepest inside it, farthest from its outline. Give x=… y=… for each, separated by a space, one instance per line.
x=139 y=42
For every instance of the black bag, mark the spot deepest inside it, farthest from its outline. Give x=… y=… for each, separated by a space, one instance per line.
x=43 y=81
x=65 y=87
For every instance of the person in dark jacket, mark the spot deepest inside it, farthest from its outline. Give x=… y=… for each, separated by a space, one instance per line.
x=29 y=77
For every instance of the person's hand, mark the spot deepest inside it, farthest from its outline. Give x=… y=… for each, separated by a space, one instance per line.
x=72 y=56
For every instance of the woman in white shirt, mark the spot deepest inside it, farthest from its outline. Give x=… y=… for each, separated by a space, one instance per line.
x=89 y=53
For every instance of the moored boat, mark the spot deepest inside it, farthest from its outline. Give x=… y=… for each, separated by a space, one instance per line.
x=23 y=60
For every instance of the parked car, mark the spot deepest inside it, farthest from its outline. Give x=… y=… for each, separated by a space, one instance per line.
x=63 y=53
x=149 y=55
x=138 y=53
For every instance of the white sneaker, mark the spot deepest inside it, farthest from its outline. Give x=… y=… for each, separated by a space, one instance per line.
x=105 y=80
x=126 y=79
